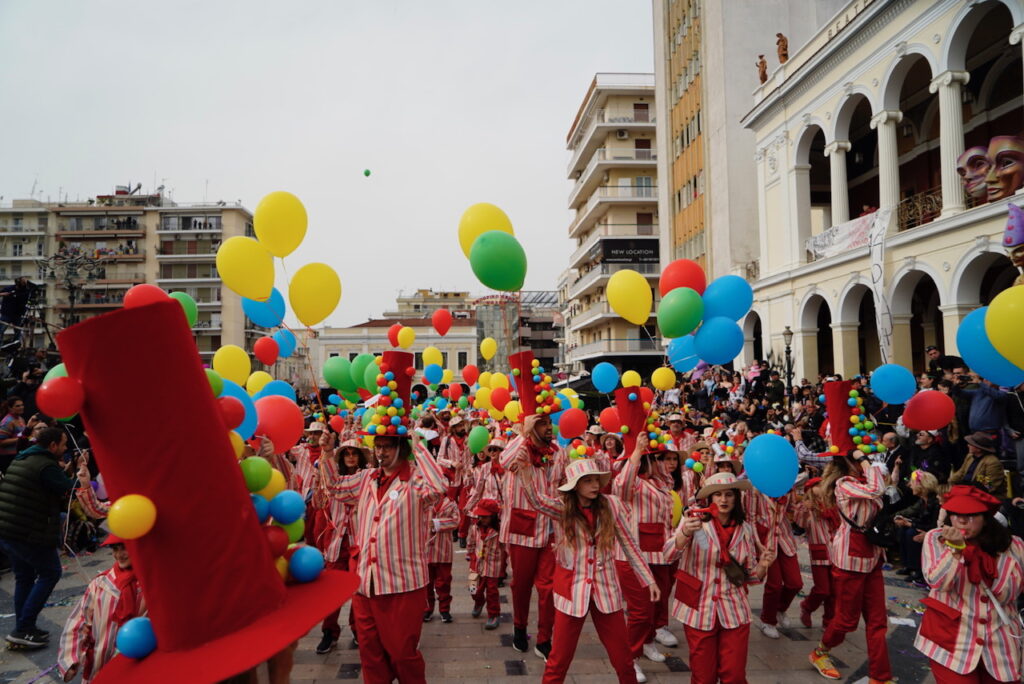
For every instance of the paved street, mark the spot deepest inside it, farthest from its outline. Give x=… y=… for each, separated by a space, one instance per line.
x=463 y=651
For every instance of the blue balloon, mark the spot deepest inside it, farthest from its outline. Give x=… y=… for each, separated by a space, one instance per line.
x=681 y=354
x=136 y=638
x=729 y=296
x=287 y=507
x=442 y=404
x=605 y=377
x=278 y=387
x=718 y=340
x=433 y=373
x=893 y=383
x=266 y=314
x=306 y=564
x=262 y=507
x=248 y=426
x=285 y=343
x=333 y=398
x=981 y=356
x=771 y=464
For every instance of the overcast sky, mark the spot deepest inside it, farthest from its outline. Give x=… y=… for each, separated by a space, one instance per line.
x=446 y=103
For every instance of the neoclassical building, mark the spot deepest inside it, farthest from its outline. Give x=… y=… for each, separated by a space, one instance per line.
x=911 y=106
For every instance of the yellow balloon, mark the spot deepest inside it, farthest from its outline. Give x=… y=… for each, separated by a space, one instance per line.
x=569 y=392
x=280 y=222
x=499 y=380
x=484 y=380
x=406 y=336
x=232 y=363
x=448 y=376
x=483 y=398
x=631 y=379
x=677 y=508
x=281 y=563
x=630 y=296
x=276 y=485
x=131 y=516
x=513 y=409
x=1002 y=323
x=495 y=414
x=432 y=355
x=488 y=348
x=257 y=381
x=314 y=293
x=237 y=443
x=663 y=379
x=246 y=267
x=479 y=219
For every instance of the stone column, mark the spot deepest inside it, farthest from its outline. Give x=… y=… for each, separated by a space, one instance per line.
x=845 y=349
x=952 y=316
x=800 y=210
x=902 y=353
x=836 y=153
x=885 y=123
x=951 y=141
x=805 y=351
x=1017 y=37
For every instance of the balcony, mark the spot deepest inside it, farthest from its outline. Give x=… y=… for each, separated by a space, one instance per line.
x=9 y=255
x=20 y=229
x=193 y=257
x=124 y=231
x=207 y=327
x=606 y=230
x=185 y=280
x=93 y=302
x=609 y=195
x=176 y=225
x=615 y=347
x=590 y=315
x=604 y=271
x=105 y=279
x=597 y=129
x=605 y=159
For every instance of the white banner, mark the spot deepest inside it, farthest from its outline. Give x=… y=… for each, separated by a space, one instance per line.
x=883 y=314
x=841 y=238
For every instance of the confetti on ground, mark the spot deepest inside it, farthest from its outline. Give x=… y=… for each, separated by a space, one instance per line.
x=907 y=622
x=919 y=609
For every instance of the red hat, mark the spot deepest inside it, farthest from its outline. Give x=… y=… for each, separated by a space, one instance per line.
x=111 y=540
x=486 y=507
x=216 y=601
x=394 y=384
x=811 y=482
x=968 y=500
x=631 y=414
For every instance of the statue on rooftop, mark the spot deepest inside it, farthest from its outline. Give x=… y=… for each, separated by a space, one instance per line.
x=782 y=45
x=762 y=68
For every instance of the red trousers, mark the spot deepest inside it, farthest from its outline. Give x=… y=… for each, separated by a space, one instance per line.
x=389 y=629
x=856 y=594
x=665 y=586
x=781 y=585
x=533 y=568
x=641 y=612
x=330 y=624
x=487 y=589
x=611 y=630
x=821 y=593
x=943 y=675
x=718 y=654
x=464 y=520
x=440 y=585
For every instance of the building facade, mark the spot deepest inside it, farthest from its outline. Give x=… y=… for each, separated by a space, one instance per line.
x=888 y=148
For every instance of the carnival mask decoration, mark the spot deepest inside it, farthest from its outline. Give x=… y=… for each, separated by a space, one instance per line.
x=973 y=166
x=1006 y=171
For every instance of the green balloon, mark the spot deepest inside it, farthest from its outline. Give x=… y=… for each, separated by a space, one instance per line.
x=367 y=417
x=498 y=261
x=332 y=409
x=478 y=439
x=338 y=373
x=58 y=371
x=359 y=365
x=463 y=402
x=295 y=530
x=680 y=312
x=188 y=305
x=366 y=172
x=257 y=472
x=351 y=396
x=370 y=377
x=216 y=382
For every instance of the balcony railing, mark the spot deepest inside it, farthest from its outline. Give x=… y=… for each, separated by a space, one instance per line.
x=207 y=325
x=21 y=229
x=615 y=346
x=916 y=210
x=585 y=280
x=612 y=193
x=604 y=155
x=590 y=314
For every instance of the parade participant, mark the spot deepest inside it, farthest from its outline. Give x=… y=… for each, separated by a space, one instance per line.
x=647 y=493
x=439 y=558
x=112 y=598
x=486 y=561
x=717 y=559
x=783 y=582
x=589 y=527
x=592 y=437
x=469 y=480
x=970 y=630
x=456 y=461
x=727 y=463
x=820 y=519
x=679 y=439
x=857 y=486
x=394 y=504
x=305 y=456
x=611 y=450
x=488 y=484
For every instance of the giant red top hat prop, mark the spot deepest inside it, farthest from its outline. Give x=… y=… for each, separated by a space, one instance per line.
x=394 y=384
x=632 y=415
x=216 y=601
x=837 y=394
x=523 y=379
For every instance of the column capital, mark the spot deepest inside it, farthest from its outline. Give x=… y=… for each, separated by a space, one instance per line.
x=947 y=79
x=957 y=309
x=845 y=327
x=1016 y=34
x=837 y=146
x=902 y=319
x=885 y=117
x=802 y=168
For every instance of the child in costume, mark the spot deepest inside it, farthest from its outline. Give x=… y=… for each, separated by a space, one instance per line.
x=439 y=558
x=487 y=561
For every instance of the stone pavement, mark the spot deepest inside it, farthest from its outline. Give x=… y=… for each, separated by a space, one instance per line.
x=466 y=653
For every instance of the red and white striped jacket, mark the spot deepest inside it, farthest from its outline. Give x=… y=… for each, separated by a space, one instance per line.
x=304 y=474
x=649 y=500
x=486 y=485
x=89 y=638
x=703 y=594
x=961 y=627
x=389 y=544
x=859 y=500
x=485 y=556
x=439 y=531
x=455 y=460
x=691 y=485
x=93 y=507
x=584 y=572
x=819 y=528
x=762 y=510
x=520 y=522
x=683 y=445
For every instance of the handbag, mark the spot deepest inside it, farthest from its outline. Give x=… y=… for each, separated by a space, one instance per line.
x=879 y=531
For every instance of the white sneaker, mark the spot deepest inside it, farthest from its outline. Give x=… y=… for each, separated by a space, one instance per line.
x=665 y=637
x=784 y=621
x=769 y=631
x=652 y=653
x=640 y=676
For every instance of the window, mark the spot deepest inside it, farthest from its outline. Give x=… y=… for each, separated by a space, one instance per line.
x=352 y=356
x=43 y=222
x=39 y=249
x=463 y=360
x=16 y=249
x=332 y=355
x=419 y=360
x=444 y=359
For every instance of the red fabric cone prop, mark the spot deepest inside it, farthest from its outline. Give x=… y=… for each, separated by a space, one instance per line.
x=837 y=394
x=632 y=415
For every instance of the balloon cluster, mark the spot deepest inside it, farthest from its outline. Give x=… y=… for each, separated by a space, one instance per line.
x=546 y=400
x=861 y=428
x=494 y=253
x=657 y=438
x=577 y=449
x=693 y=463
x=389 y=416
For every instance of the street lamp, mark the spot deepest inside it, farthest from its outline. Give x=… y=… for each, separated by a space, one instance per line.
x=787 y=337
x=69 y=270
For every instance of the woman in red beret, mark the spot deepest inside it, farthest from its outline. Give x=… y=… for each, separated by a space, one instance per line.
x=970 y=630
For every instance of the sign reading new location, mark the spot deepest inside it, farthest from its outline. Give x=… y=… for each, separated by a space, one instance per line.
x=630 y=251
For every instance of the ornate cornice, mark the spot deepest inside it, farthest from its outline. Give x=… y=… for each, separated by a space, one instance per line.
x=886 y=116
x=948 y=78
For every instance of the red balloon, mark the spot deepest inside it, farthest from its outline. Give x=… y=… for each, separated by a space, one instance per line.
x=277 y=538
x=280 y=420
x=143 y=294
x=682 y=273
x=470 y=374
x=572 y=424
x=442 y=320
x=60 y=397
x=337 y=423
x=930 y=410
x=232 y=411
x=646 y=394
x=455 y=391
x=393 y=334
x=266 y=350
x=500 y=396
x=610 y=419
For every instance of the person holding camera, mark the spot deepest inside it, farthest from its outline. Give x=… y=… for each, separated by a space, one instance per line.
x=13 y=303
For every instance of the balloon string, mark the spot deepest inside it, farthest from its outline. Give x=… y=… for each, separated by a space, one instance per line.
x=314 y=385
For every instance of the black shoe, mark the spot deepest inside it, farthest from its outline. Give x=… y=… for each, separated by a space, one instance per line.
x=26 y=639
x=446 y=618
x=355 y=641
x=428 y=616
x=41 y=633
x=543 y=650
x=905 y=572
x=326 y=644
x=477 y=610
x=492 y=623
x=462 y=542
x=519 y=641
x=501 y=583
x=917 y=579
